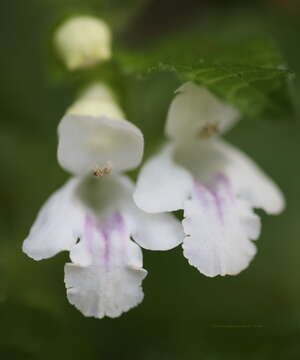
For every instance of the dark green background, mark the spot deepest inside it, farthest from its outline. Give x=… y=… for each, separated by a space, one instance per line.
x=185 y=315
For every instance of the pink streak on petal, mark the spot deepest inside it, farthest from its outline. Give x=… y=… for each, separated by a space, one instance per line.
x=88 y=229
x=219 y=187
x=115 y=223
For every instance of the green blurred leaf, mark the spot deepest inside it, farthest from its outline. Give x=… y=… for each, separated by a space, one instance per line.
x=249 y=74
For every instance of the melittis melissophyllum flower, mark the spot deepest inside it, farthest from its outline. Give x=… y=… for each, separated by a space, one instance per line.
x=83 y=41
x=216 y=185
x=93 y=216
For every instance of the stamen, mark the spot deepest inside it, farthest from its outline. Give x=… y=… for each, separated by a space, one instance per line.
x=208 y=130
x=99 y=172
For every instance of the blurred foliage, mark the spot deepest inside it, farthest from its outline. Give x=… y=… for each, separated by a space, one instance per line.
x=249 y=73
x=255 y=315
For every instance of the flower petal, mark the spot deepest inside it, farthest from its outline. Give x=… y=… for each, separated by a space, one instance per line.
x=197 y=113
x=106 y=280
x=106 y=195
x=58 y=224
x=114 y=193
x=94 y=138
x=162 y=185
x=157 y=231
x=209 y=158
x=88 y=143
x=219 y=227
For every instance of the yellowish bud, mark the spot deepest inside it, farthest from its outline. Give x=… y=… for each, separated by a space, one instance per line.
x=83 y=41
x=97 y=100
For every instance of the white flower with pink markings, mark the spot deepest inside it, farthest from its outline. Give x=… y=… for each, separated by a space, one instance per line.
x=93 y=216
x=216 y=185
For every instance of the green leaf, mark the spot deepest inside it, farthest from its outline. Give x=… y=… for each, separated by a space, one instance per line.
x=251 y=75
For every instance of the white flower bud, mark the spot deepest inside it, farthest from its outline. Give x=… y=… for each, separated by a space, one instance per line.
x=83 y=41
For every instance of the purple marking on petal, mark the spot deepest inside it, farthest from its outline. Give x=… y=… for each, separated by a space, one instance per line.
x=88 y=229
x=104 y=230
x=218 y=202
x=201 y=191
x=115 y=223
x=222 y=181
x=218 y=189
x=105 y=234
x=204 y=193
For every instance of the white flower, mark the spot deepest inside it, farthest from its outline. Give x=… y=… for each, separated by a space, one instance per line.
x=95 y=217
x=216 y=184
x=83 y=41
x=95 y=220
x=93 y=135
